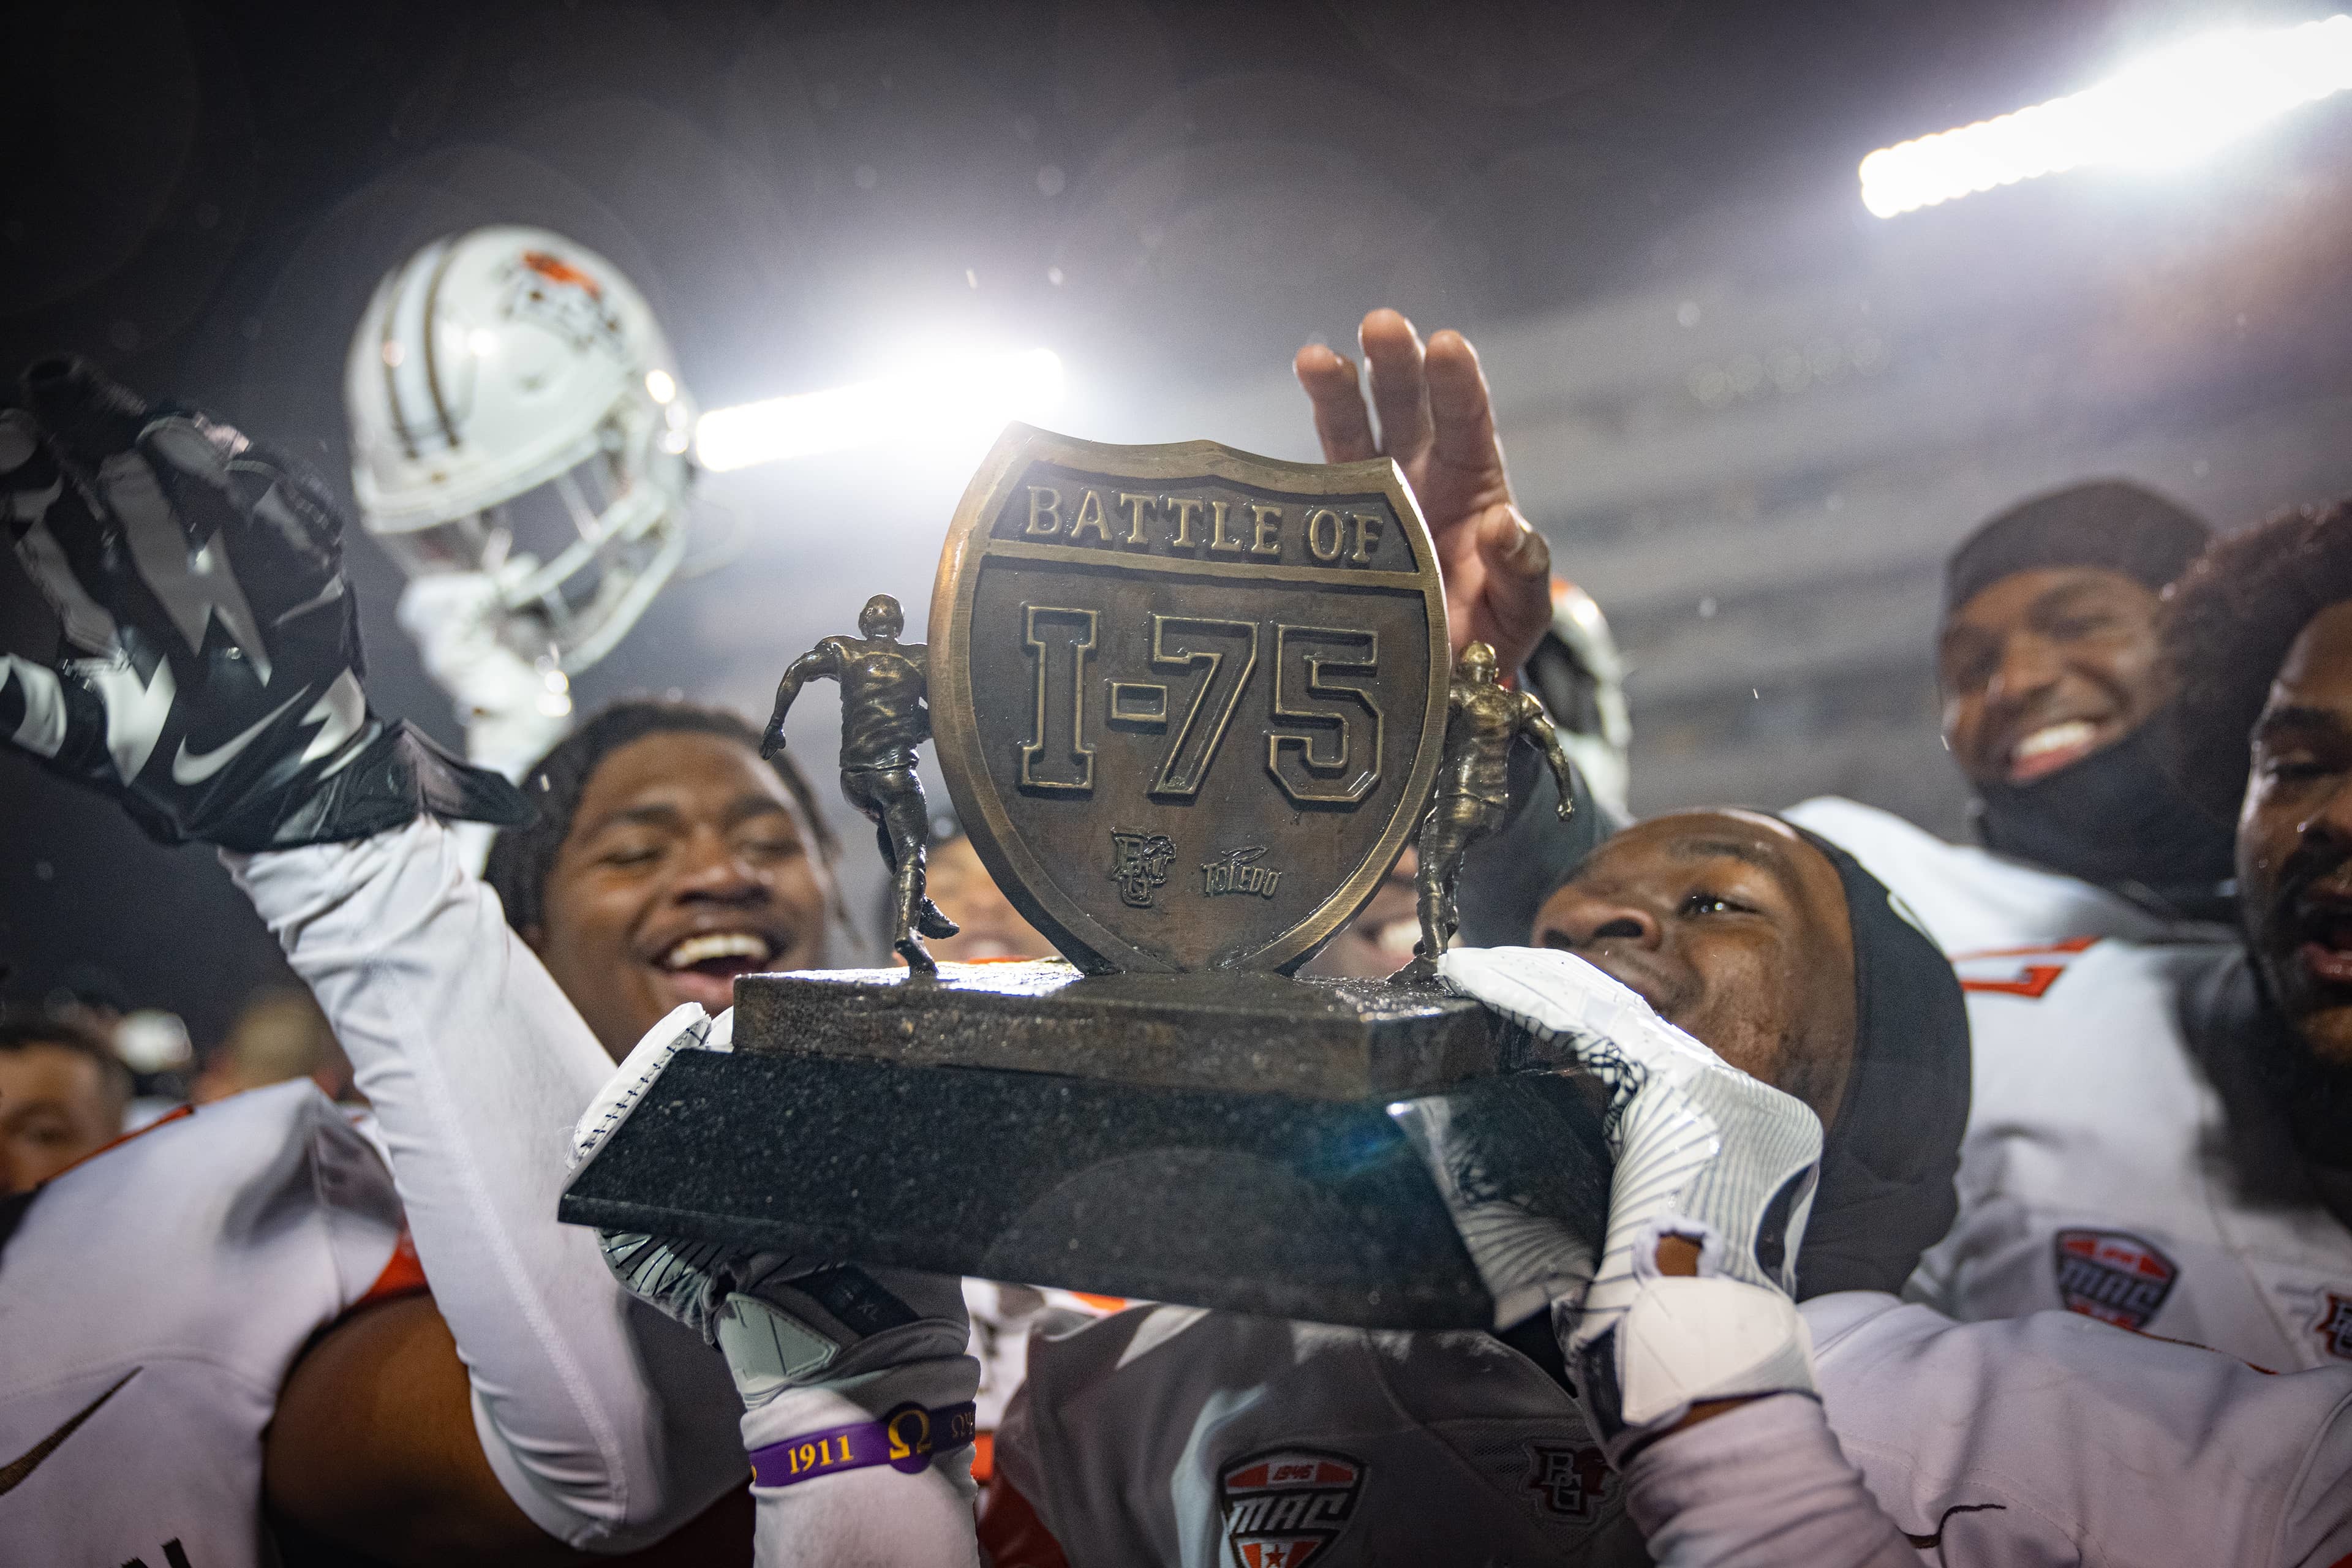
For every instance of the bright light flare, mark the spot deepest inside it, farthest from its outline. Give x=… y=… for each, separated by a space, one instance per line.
x=951 y=402
x=2169 y=108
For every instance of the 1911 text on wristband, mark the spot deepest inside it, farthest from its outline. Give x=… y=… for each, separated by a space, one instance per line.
x=906 y=1439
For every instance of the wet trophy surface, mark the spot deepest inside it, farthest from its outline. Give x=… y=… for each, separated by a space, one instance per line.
x=1190 y=705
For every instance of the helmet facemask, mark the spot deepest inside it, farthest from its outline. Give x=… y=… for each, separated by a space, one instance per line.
x=541 y=440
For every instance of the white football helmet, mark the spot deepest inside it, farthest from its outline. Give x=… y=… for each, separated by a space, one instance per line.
x=515 y=411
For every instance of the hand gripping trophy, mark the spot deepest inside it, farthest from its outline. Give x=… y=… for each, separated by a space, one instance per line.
x=884 y=717
x=1483 y=720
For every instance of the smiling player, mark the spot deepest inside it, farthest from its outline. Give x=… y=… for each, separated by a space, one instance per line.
x=667 y=858
x=2056 y=706
x=2051 y=679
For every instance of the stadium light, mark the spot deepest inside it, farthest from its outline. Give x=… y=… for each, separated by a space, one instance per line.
x=950 y=401
x=2168 y=109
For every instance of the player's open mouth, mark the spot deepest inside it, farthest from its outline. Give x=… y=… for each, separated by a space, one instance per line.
x=720 y=953
x=2044 y=750
x=2324 y=923
x=703 y=968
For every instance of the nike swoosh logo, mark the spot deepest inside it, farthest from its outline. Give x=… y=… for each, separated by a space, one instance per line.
x=195 y=767
x=13 y=1473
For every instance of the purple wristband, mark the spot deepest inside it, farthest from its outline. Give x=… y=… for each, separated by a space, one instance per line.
x=905 y=1439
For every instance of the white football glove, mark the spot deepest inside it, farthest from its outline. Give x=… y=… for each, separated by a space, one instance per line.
x=1527 y=1195
x=841 y=1367
x=1703 y=1151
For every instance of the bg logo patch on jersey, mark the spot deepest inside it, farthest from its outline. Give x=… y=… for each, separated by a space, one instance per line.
x=2335 y=1326
x=2114 y=1278
x=1284 y=1506
x=1571 y=1481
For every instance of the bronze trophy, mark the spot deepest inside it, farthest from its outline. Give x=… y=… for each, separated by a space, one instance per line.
x=1482 y=722
x=1190 y=705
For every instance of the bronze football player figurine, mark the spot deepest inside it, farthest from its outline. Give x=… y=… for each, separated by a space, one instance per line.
x=1483 y=720
x=884 y=717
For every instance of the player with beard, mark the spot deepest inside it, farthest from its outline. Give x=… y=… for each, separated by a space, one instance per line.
x=2262 y=629
x=2128 y=1156
x=1713 y=1421
x=225 y=1306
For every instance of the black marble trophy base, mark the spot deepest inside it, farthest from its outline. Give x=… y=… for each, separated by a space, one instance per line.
x=1212 y=1139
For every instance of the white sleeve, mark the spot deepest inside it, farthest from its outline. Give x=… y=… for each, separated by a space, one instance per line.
x=608 y=1424
x=2317 y=1532
x=2054 y=1438
x=1763 y=1486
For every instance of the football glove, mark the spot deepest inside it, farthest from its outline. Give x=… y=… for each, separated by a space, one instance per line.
x=841 y=1367
x=1703 y=1151
x=210 y=681
x=514 y=709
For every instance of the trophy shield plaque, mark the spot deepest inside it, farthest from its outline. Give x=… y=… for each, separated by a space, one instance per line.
x=1191 y=704
x=1222 y=677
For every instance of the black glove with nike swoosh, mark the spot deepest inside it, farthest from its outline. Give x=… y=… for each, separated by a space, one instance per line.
x=211 y=681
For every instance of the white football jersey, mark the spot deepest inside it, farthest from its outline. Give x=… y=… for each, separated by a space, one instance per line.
x=152 y=1300
x=2111 y=1170
x=2110 y=1167
x=1967 y=899
x=1172 y=1436
x=1179 y=1437
x=1002 y=1318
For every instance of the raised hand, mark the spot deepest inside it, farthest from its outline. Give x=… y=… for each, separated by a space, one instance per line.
x=199 y=579
x=1437 y=421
